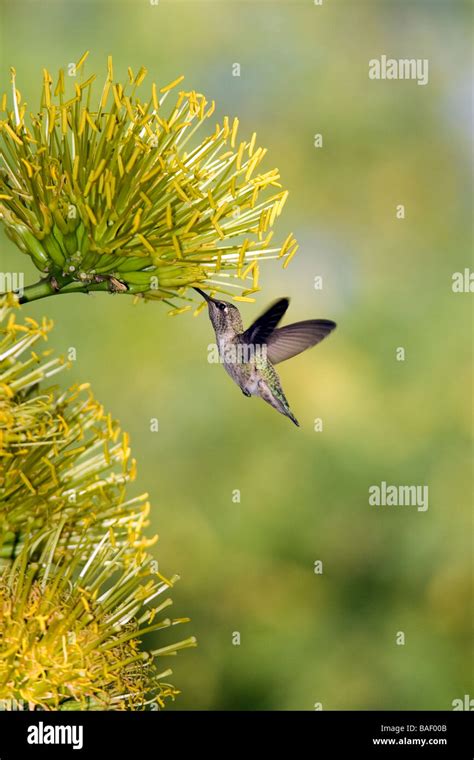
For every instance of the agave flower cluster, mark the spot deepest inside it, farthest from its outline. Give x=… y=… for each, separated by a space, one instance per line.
x=78 y=586
x=120 y=194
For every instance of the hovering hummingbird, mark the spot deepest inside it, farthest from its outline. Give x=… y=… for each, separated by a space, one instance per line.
x=249 y=355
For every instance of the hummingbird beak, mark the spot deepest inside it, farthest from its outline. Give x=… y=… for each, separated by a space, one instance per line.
x=204 y=295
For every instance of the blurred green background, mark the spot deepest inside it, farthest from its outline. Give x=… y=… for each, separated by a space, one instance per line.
x=248 y=566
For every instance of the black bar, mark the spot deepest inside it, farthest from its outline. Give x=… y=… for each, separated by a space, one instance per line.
x=309 y=734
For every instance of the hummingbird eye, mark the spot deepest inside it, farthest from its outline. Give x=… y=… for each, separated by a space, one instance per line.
x=222 y=306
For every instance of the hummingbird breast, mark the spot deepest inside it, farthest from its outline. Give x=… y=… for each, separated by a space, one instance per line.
x=255 y=377
x=242 y=370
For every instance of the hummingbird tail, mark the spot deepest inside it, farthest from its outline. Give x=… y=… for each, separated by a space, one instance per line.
x=292 y=418
x=276 y=398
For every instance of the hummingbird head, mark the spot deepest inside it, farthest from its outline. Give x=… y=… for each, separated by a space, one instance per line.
x=225 y=317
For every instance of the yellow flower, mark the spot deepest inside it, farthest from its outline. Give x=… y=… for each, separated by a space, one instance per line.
x=78 y=588
x=69 y=639
x=62 y=458
x=119 y=194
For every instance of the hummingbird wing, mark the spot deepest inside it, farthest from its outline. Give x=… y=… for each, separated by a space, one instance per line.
x=291 y=340
x=259 y=332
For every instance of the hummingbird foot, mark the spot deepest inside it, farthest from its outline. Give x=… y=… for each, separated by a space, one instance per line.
x=246 y=392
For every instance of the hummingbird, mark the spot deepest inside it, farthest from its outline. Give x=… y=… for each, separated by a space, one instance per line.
x=249 y=355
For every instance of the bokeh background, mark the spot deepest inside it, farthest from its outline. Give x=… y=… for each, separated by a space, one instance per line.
x=248 y=567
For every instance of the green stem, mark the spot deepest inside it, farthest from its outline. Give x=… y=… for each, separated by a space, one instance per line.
x=40 y=289
x=64 y=285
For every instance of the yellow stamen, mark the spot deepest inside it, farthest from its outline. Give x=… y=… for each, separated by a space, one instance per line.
x=169 y=217
x=27 y=482
x=12 y=134
x=111 y=122
x=233 y=136
x=177 y=247
x=154 y=97
x=249 y=269
x=240 y=155
x=91 y=122
x=59 y=90
x=181 y=310
x=29 y=168
x=146 y=199
x=286 y=245
x=136 y=221
x=64 y=121
x=91 y=214
x=132 y=159
x=172 y=84
x=46 y=86
x=141 y=76
x=82 y=60
x=116 y=90
x=290 y=256
x=180 y=192
x=145 y=242
x=282 y=202
x=75 y=167
x=192 y=222
x=252 y=144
